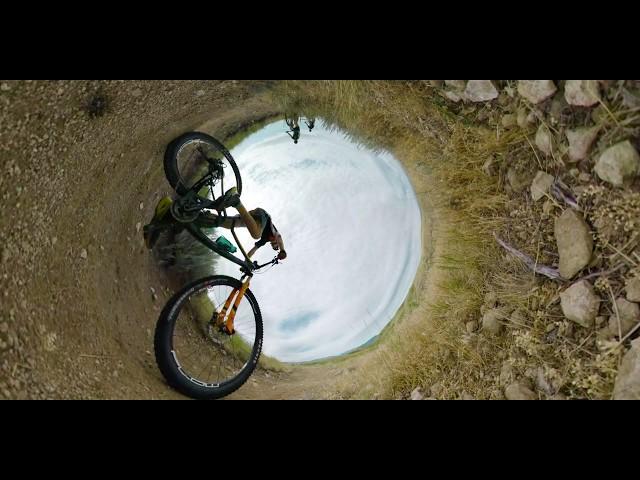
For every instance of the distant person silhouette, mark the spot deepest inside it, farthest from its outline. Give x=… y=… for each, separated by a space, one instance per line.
x=311 y=122
x=294 y=133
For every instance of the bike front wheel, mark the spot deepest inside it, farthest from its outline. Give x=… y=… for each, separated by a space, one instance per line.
x=195 y=356
x=186 y=161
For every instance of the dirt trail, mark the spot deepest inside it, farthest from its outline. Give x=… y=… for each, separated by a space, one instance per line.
x=76 y=309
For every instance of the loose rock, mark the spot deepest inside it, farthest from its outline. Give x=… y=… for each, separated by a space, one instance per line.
x=547 y=207
x=510 y=120
x=536 y=91
x=630 y=99
x=627 y=385
x=456 y=84
x=544 y=140
x=540 y=185
x=417 y=394
x=584 y=177
x=580 y=141
x=480 y=91
x=580 y=303
x=629 y=313
x=548 y=381
x=521 y=118
x=542 y=383
x=633 y=289
x=436 y=389
x=575 y=243
x=604 y=334
x=491 y=322
x=519 y=391
x=618 y=164
x=453 y=96
x=558 y=104
x=518 y=181
x=582 y=93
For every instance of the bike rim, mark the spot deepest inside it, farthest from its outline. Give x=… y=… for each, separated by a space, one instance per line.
x=204 y=354
x=192 y=166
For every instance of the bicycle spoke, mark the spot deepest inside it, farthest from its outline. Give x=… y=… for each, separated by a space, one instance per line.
x=219 y=363
x=199 y=376
x=209 y=372
x=204 y=352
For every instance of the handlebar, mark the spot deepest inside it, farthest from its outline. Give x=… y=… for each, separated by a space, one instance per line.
x=274 y=261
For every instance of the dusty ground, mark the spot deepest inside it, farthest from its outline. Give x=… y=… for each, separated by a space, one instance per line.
x=76 y=184
x=81 y=169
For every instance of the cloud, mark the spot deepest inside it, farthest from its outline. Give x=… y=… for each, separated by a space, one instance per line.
x=352 y=230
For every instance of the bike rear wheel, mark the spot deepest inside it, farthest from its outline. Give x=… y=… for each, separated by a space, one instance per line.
x=185 y=162
x=196 y=357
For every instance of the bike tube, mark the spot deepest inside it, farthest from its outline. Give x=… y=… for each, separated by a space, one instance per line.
x=206 y=241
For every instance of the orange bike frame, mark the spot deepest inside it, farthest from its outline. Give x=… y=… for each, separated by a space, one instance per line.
x=228 y=324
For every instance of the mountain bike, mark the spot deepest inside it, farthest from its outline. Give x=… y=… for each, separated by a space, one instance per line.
x=208 y=338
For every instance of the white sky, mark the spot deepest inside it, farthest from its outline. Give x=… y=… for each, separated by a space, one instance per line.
x=351 y=226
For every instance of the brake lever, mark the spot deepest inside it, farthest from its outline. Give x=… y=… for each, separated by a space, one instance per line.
x=216 y=166
x=256 y=265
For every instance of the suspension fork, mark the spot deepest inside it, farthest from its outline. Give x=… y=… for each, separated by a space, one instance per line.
x=227 y=325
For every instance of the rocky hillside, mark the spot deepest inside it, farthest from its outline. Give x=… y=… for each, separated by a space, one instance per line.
x=572 y=220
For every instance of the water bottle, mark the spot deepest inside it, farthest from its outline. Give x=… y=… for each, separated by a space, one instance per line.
x=225 y=245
